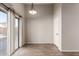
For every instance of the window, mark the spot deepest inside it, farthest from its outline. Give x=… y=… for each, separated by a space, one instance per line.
x=3 y=33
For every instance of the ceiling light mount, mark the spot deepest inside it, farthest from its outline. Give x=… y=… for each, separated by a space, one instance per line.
x=32 y=11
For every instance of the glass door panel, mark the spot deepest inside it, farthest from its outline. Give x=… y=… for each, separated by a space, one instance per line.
x=16 y=33
x=3 y=33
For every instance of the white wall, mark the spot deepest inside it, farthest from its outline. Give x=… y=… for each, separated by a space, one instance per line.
x=57 y=25
x=39 y=28
x=70 y=34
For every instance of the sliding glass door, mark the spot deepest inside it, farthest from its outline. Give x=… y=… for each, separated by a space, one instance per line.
x=16 y=33
x=10 y=31
x=3 y=33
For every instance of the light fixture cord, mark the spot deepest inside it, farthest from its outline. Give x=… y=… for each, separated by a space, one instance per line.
x=32 y=6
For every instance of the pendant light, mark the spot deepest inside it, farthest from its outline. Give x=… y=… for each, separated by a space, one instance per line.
x=32 y=11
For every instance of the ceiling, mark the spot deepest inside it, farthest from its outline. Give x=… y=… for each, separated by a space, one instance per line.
x=43 y=10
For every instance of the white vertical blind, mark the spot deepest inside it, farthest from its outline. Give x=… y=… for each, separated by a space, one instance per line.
x=20 y=33
x=8 y=33
x=11 y=31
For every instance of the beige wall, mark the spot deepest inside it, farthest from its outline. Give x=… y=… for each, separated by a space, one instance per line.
x=39 y=28
x=70 y=27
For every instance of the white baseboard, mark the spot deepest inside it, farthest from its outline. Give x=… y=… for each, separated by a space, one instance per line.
x=70 y=50
x=38 y=43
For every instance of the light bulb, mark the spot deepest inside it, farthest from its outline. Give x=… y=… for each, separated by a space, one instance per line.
x=32 y=12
